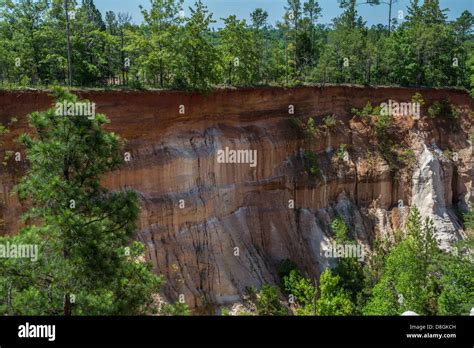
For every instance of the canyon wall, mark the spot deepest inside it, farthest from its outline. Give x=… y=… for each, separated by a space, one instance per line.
x=213 y=229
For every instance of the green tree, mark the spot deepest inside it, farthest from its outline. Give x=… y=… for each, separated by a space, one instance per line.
x=268 y=302
x=25 y=19
x=259 y=19
x=333 y=300
x=87 y=262
x=176 y=309
x=158 y=42
x=239 y=52
x=301 y=288
x=408 y=281
x=197 y=67
x=456 y=282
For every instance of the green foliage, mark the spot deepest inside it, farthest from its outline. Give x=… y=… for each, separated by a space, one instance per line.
x=225 y=312
x=241 y=57
x=333 y=300
x=84 y=232
x=367 y=111
x=457 y=283
x=295 y=124
x=285 y=267
x=197 y=63
x=409 y=276
x=300 y=287
x=311 y=129
x=329 y=122
x=352 y=278
x=164 y=50
x=382 y=124
x=341 y=152
x=442 y=108
x=418 y=98
x=312 y=163
x=469 y=220
x=407 y=157
x=268 y=302
x=339 y=229
x=176 y=309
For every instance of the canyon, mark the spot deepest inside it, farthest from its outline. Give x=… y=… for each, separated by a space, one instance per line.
x=212 y=229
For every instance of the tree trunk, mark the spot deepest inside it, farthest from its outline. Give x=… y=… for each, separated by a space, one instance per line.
x=390 y=15
x=69 y=63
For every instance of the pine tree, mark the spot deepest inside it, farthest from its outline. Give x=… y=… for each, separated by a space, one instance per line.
x=87 y=261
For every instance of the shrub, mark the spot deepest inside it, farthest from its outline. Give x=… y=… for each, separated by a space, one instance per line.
x=382 y=125
x=341 y=152
x=443 y=109
x=329 y=121
x=333 y=300
x=339 y=228
x=469 y=220
x=367 y=111
x=177 y=308
x=295 y=123
x=285 y=267
x=300 y=287
x=418 y=98
x=268 y=302
x=225 y=312
x=407 y=157
x=311 y=129
x=312 y=163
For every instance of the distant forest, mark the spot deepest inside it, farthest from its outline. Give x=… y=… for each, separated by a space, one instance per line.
x=64 y=42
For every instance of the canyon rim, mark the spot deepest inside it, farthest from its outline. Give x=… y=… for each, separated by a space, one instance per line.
x=213 y=229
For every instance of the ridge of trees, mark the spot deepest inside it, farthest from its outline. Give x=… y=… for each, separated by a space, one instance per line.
x=70 y=43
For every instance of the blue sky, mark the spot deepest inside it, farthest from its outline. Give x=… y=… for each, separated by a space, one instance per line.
x=275 y=8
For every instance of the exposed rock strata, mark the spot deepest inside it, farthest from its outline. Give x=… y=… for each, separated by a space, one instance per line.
x=229 y=206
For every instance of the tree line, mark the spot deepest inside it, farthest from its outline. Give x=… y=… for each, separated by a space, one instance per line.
x=49 y=42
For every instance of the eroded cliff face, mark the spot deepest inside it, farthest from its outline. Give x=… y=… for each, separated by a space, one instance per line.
x=213 y=229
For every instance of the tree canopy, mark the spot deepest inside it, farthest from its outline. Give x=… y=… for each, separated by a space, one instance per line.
x=177 y=47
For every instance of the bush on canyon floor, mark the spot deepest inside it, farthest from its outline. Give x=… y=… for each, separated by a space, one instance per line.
x=300 y=288
x=268 y=301
x=285 y=267
x=176 y=309
x=333 y=299
x=468 y=219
